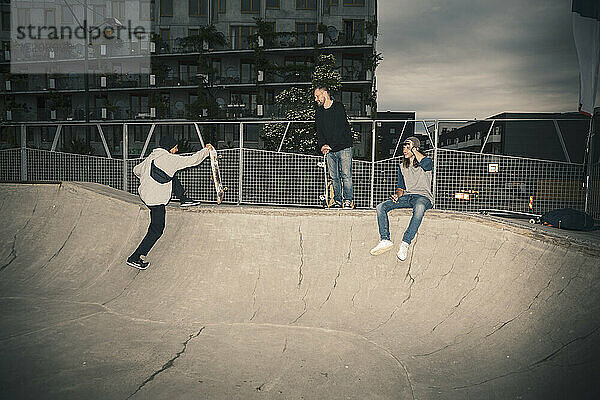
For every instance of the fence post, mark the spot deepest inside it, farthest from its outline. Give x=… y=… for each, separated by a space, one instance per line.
x=241 y=163
x=125 y=147
x=23 y=152
x=435 y=159
x=587 y=162
x=373 y=130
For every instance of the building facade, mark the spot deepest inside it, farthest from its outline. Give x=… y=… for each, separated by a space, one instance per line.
x=210 y=59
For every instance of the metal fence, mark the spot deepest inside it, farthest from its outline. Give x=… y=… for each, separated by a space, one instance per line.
x=594 y=192
x=464 y=181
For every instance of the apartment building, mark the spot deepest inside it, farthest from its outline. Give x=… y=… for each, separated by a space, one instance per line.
x=210 y=59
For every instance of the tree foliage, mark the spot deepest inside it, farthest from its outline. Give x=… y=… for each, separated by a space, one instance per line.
x=297 y=104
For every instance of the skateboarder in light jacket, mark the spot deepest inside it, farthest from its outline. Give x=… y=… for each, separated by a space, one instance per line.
x=157 y=182
x=413 y=191
x=334 y=138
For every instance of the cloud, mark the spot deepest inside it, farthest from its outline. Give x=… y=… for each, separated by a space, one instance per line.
x=459 y=59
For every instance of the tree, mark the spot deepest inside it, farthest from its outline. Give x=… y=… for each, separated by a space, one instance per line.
x=297 y=104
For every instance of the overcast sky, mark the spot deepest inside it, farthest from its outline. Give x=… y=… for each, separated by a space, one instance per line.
x=476 y=58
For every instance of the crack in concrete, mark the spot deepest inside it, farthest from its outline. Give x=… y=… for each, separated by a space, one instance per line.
x=502 y=325
x=300 y=275
x=458 y=304
x=555 y=352
x=412 y=253
x=254 y=296
x=132 y=230
x=443 y=347
x=124 y=289
x=63 y=322
x=168 y=364
x=56 y=253
x=305 y=308
x=13 y=251
x=396 y=308
x=533 y=365
x=451 y=268
x=339 y=272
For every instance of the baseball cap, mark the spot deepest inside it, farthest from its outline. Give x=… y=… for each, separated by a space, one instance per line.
x=415 y=141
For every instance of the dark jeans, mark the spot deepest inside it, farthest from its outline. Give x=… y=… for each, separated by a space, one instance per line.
x=157 y=222
x=155 y=231
x=177 y=189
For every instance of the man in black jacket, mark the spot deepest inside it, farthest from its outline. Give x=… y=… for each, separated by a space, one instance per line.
x=334 y=138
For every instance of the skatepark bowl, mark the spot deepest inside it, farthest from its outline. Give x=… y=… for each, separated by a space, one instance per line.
x=287 y=303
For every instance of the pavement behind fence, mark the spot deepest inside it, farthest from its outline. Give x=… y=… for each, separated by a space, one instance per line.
x=253 y=303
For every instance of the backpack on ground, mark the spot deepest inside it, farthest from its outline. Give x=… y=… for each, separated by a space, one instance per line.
x=568 y=218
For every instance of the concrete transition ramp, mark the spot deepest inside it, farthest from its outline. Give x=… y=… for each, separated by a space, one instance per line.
x=262 y=303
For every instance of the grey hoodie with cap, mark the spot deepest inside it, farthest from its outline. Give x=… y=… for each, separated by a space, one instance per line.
x=154 y=193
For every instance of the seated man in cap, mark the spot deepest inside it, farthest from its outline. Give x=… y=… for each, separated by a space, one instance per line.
x=412 y=191
x=157 y=182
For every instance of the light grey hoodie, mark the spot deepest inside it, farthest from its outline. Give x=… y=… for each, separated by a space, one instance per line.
x=153 y=193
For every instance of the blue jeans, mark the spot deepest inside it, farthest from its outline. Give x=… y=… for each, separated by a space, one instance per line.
x=418 y=203
x=339 y=164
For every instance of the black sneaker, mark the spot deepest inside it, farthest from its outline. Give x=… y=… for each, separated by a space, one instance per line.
x=139 y=263
x=336 y=204
x=189 y=203
x=348 y=204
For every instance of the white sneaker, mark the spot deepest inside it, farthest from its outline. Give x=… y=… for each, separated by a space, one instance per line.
x=382 y=247
x=403 y=251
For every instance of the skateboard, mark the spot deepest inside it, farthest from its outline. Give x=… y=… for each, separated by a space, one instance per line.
x=532 y=218
x=216 y=175
x=327 y=197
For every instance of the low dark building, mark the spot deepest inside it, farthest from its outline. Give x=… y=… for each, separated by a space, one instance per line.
x=401 y=126
x=548 y=136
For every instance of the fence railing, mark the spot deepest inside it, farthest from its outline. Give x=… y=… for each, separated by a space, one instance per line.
x=463 y=181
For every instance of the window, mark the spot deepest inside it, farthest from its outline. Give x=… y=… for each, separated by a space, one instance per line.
x=299 y=60
x=354 y=2
x=193 y=32
x=145 y=10
x=216 y=66
x=138 y=104
x=165 y=34
x=166 y=8
x=98 y=14
x=306 y=33
x=250 y=6
x=221 y=6
x=306 y=4
x=273 y=4
x=198 y=7
x=354 y=31
x=238 y=36
x=118 y=9
x=188 y=73
x=247 y=71
x=352 y=101
x=5 y=21
x=49 y=19
x=248 y=100
x=66 y=15
x=23 y=17
x=352 y=67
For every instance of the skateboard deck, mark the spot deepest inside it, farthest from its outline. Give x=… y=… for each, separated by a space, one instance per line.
x=532 y=218
x=216 y=175
x=327 y=197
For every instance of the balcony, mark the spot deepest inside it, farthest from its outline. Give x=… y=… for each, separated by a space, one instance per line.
x=141 y=81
